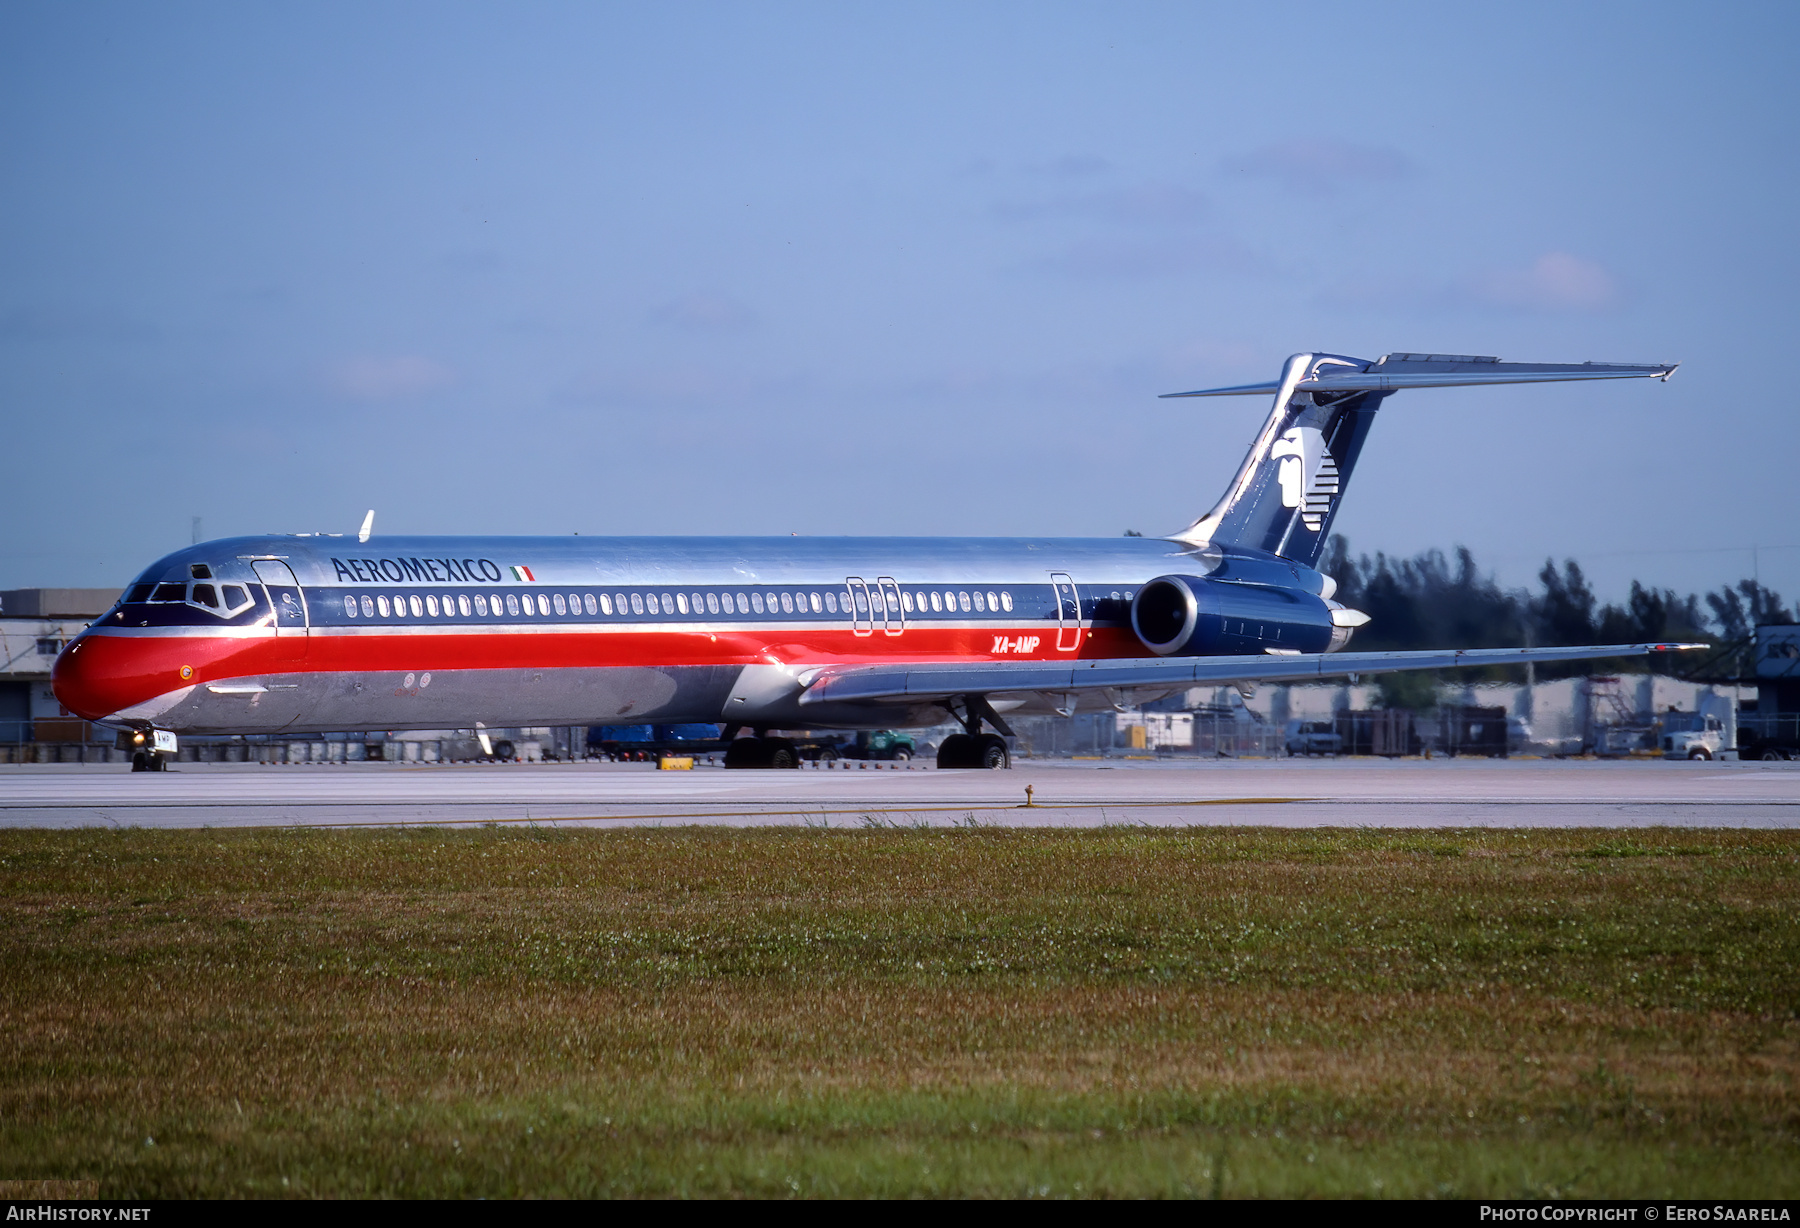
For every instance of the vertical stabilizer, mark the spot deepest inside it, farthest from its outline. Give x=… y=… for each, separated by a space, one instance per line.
x=1286 y=493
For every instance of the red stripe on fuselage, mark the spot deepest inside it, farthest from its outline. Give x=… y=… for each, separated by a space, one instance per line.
x=101 y=674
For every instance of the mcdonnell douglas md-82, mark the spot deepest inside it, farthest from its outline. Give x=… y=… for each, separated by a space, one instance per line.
x=310 y=633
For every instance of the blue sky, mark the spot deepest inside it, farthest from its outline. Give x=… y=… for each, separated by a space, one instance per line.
x=849 y=268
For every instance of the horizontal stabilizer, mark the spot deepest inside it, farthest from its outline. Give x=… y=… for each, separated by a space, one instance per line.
x=915 y=683
x=1397 y=371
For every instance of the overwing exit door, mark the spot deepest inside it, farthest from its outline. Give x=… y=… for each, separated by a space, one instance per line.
x=862 y=610
x=875 y=605
x=888 y=605
x=289 y=604
x=1068 y=612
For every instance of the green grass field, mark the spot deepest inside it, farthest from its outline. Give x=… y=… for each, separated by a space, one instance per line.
x=889 y=1012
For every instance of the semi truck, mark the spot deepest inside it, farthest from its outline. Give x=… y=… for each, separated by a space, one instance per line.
x=649 y=742
x=1769 y=736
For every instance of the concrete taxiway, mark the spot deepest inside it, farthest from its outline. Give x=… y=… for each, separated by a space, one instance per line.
x=1283 y=793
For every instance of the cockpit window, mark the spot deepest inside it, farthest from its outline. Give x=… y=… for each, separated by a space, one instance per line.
x=206 y=595
x=169 y=592
x=235 y=596
x=200 y=571
x=139 y=593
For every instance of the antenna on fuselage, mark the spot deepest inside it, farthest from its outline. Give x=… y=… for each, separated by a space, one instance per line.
x=368 y=526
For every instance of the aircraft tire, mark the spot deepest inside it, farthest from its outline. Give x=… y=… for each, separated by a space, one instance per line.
x=138 y=764
x=779 y=753
x=745 y=753
x=991 y=752
x=957 y=751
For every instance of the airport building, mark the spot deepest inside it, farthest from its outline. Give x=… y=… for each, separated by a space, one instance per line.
x=35 y=623
x=1621 y=715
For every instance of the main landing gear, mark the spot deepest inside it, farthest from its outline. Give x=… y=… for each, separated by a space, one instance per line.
x=761 y=752
x=972 y=748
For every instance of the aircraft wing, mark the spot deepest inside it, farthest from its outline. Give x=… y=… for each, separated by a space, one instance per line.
x=1396 y=371
x=874 y=683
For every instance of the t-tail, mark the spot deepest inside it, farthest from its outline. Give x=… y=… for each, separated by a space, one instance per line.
x=1287 y=491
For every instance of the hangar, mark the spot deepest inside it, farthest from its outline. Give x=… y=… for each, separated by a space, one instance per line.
x=35 y=623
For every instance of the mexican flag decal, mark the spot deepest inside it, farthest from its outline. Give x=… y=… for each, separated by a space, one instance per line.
x=524 y=574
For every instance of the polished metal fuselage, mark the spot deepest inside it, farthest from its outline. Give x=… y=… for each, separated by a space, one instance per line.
x=454 y=632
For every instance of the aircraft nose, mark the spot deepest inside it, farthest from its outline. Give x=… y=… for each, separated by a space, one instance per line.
x=91 y=685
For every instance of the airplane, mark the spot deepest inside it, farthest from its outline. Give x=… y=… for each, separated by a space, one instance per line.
x=304 y=633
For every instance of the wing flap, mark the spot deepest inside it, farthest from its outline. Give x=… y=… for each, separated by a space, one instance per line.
x=871 y=683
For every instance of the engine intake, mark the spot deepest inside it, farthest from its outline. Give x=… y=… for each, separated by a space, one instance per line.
x=1165 y=613
x=1195 y=616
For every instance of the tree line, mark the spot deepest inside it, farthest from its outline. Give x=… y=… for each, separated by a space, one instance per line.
x=1436 y=601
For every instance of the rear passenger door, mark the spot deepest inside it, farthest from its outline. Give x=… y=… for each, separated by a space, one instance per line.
x=1068 y=612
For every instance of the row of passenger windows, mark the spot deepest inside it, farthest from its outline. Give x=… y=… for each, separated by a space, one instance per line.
x=514 y=605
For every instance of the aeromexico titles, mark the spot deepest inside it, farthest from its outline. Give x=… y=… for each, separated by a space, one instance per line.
x=299 y=634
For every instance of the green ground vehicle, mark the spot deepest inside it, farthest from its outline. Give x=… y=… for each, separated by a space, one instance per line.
x=880 y=744
x=877 y=744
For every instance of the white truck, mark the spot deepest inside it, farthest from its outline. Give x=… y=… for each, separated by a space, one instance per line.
x=1693 y=735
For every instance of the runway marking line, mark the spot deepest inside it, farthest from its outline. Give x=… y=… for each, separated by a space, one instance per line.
x=863 y=810
x=939 y=804
x=929 y=804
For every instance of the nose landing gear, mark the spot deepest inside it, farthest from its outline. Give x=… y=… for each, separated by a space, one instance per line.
x=151 y=750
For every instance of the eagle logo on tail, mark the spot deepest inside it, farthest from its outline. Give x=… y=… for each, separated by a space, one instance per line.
x=1307 y=472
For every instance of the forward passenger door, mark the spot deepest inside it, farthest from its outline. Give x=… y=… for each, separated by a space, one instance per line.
x=289 y=604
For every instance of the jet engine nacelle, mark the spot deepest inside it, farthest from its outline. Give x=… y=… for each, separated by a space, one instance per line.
x=1195 y=616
